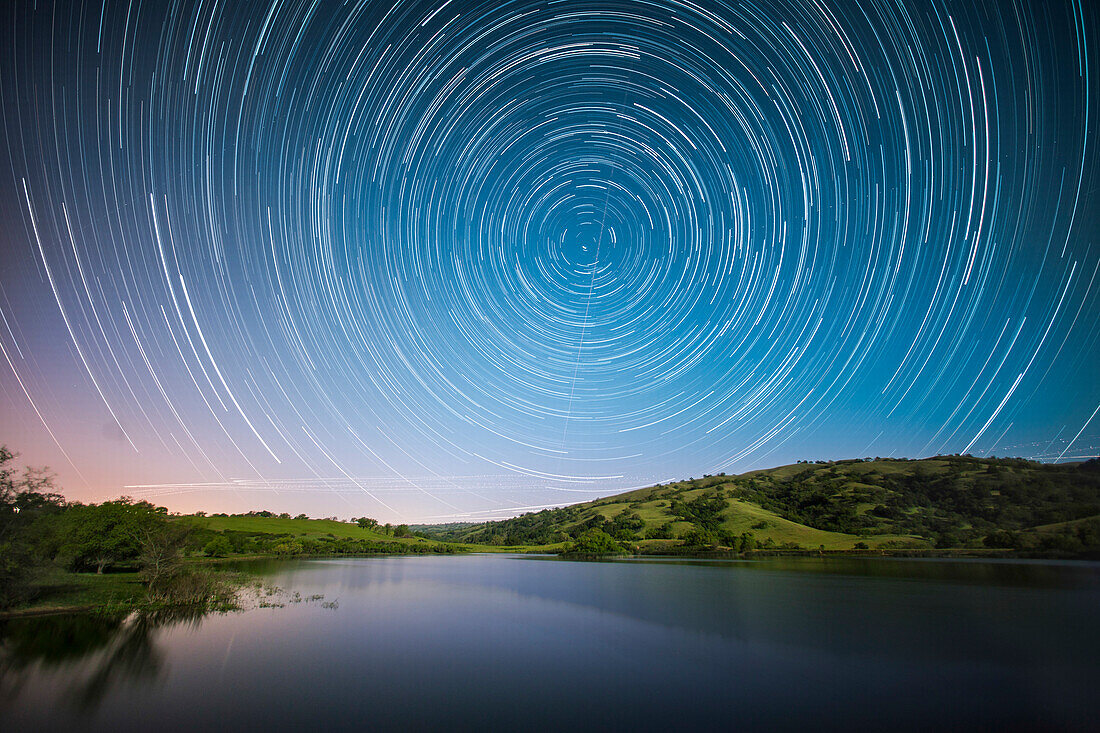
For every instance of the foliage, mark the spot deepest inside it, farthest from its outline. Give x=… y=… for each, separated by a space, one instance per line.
x=946 y=501
x=274 y=525
x=27 y=505
x=700 y=538
x=961 y=497
x=288 y=547
x=254 y=535
x=103 y=535
x=161 y=554
x=660 y=532
x=218 y=547
x=195 y=587
x=40 y=533
x=594 y=542
x=704 y=511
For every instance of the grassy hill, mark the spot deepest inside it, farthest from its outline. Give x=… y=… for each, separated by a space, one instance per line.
x=266 y=533
x=945 y=502
x=294 y=527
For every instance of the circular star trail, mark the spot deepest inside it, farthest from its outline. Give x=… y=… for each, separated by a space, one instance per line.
x=583 y=245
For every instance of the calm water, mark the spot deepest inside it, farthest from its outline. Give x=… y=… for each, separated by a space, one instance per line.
x=494 y=642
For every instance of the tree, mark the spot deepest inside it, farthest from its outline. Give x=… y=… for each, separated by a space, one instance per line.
x=101 y=535
x=1002 y=538
x=288 y=547
x=595 y=542
x=700 y=538
x=218 y=547
x=161 y=551
x=367 y=523
x=26 y=499
x=660 y=532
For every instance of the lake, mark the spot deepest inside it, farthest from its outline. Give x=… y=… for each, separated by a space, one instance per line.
x=505 y=642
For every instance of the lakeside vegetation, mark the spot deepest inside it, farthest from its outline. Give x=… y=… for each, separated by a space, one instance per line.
x=945 y=503
x=266 y=533
x=132 y=555
x=120 y=554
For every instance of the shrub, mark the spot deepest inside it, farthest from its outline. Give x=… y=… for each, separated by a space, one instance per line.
x=700 y=538
x=287 y=547
x=201 y=587
x=594 y=542
x=218 y=547
x=660 y=532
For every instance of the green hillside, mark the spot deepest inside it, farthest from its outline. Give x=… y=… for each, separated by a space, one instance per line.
x=295 y=527
x=945 y=502
x=266 y=533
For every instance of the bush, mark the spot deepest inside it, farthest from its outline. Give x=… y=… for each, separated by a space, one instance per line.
x=29 y=508
x=287 y=547
x=1002 y=539
x=660 y=532
x=218 y=547
x=700 y=538
x=594 y=542
x=101 y=535
x=201 y=587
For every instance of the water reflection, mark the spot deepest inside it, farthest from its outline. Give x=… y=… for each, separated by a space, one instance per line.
x=968 y=571
x=95 y=651
x=513 y=642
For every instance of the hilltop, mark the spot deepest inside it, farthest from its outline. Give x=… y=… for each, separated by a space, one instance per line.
x=881 y=503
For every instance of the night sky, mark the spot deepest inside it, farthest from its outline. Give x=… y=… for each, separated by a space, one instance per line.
x=457 y=260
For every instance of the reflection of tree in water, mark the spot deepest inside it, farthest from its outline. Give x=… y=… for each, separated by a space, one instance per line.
x=97 y=650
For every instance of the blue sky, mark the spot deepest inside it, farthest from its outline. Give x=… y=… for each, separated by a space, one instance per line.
x=449 y=260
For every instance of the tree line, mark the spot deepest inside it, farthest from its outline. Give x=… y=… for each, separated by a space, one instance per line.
x=41 y=531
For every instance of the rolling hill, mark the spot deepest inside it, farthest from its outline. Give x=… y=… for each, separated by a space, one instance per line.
x=267 y=533
x=944 y=502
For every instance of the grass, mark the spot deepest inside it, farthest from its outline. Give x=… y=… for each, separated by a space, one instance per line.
x=297 y=527
x=742 y=516
x=738 y=517
x=881 y=503
x=58 y=591
x=1059 y=526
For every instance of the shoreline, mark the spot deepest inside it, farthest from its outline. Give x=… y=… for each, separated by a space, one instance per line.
x=51 y=608
x=84 y=584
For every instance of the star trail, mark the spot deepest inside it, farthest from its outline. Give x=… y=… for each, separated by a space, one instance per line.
x=433 y=260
